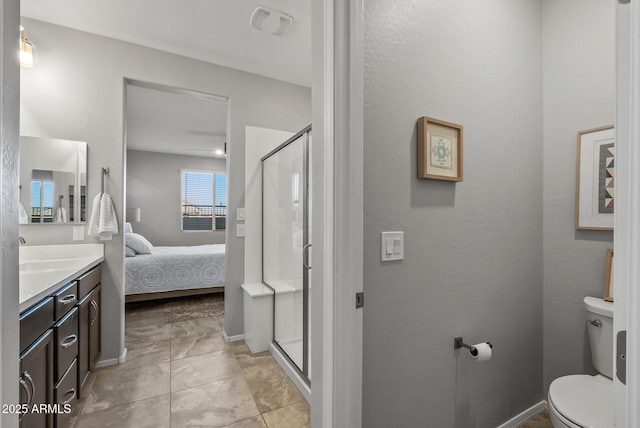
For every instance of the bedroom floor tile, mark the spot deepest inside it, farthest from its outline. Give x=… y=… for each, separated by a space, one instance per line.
x=215 y=404
x=201 y=369
x=195 y=326
x=146 y=335
x=255 y=422
x=158 y=352
x=293 y=416
x=271 y=387
x=196 y=344
x=150 y=413
x=180 y=372
x=126 y=386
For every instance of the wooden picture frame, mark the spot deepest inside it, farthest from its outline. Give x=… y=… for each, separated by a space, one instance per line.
x=595 y=171
x=439 y=149
x=609 y=277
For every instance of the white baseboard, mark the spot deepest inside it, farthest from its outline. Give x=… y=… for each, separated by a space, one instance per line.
x=235 y=338
x=293 y=375
x=518 y=419
x=121 y=359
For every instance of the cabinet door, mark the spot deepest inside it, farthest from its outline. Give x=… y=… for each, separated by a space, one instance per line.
x=36 y=381
x=84 y=316
x=95 y=345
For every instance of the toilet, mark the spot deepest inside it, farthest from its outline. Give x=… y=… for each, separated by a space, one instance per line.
x=585 y=401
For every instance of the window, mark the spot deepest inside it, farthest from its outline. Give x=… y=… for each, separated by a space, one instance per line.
x=41 y=199
x=204 y=200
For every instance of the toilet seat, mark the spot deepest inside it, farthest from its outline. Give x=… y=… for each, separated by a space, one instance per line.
x=583 y=401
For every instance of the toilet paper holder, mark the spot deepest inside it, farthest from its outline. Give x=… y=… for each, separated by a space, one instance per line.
x=459 y=343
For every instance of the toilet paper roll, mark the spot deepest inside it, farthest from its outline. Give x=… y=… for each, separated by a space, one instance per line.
x=483 y=351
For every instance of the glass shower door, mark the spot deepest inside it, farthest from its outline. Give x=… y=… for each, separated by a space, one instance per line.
x=286 y=245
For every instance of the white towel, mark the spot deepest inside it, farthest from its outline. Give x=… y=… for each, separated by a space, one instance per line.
x=24 y=217
x=61 y=215
x=103 y=220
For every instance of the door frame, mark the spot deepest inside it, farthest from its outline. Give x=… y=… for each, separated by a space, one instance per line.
x=9 y=229
x=627 y=212
x=338 y=103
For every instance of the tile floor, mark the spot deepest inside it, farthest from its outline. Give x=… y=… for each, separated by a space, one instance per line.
x=179 y=372
x=540 y=420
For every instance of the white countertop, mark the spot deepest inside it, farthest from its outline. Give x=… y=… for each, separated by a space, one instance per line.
x=45 y=268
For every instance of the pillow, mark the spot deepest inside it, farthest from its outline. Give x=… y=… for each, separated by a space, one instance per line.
x=128 y=252
x=138 y=243
x=128 y=228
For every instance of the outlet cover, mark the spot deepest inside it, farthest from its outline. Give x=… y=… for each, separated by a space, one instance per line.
x=78 y=233
x=240 y=230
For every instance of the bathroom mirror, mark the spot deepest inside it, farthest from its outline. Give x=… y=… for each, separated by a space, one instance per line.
x=53 y=181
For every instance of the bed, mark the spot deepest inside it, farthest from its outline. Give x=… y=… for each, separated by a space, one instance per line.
x=174 y=271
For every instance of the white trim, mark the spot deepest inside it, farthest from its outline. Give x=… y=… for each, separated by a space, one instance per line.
x=521 y=417
x=627 y=212
x=348 y=213
x=321 y=311
x=336 y=363
x=235 y=338
x=110 y=362
x=293 y=375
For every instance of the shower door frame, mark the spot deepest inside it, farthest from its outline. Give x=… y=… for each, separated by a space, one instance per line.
x=304 y=372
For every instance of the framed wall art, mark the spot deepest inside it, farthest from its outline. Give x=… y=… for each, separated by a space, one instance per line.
x=595 y=192
x=608 y=282
x=439 y=149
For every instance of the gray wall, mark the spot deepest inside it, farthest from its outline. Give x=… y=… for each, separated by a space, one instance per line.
x=9 y=131
x=80 y=97
x=153 y=185
x=473 y=250
x=579 y=93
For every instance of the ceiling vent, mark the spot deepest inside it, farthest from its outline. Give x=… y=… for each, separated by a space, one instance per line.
x=271 y=21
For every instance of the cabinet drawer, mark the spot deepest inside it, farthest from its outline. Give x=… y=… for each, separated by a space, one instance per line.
x=65 y=299
x=88 y=281
x=66 y=339
x=65 y=394
x=34 y=321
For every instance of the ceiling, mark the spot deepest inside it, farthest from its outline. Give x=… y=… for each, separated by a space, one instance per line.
x=174 y=121
x=215 y=31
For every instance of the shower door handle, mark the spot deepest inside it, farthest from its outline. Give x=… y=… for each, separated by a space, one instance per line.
x=305 y=256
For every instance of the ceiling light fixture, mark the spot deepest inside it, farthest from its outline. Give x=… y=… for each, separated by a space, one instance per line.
x=271 y=21
x=27 y=50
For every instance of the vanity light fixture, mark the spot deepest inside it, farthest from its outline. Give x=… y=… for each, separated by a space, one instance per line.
x=27 y=50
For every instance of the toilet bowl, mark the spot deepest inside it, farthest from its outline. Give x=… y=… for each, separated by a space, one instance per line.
x=581 y=401
x=585 y=401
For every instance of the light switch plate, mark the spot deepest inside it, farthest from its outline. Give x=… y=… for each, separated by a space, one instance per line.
x=240 y=230
x=240 y=214
x=391 y=246
x=78 y=233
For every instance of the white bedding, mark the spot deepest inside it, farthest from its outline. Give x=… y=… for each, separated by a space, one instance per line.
x=175 y=268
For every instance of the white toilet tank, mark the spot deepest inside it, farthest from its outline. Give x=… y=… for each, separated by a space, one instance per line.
x=600 y=326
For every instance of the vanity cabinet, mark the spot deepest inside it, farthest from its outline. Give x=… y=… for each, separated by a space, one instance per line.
x=36 y=381
x=59 y=345
x=90 y=326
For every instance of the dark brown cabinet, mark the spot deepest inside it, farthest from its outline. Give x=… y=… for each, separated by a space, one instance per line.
x=59 y=345
x=89 y=312
x=36 y=381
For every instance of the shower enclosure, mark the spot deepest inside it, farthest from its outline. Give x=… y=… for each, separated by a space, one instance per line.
x=286 y=246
